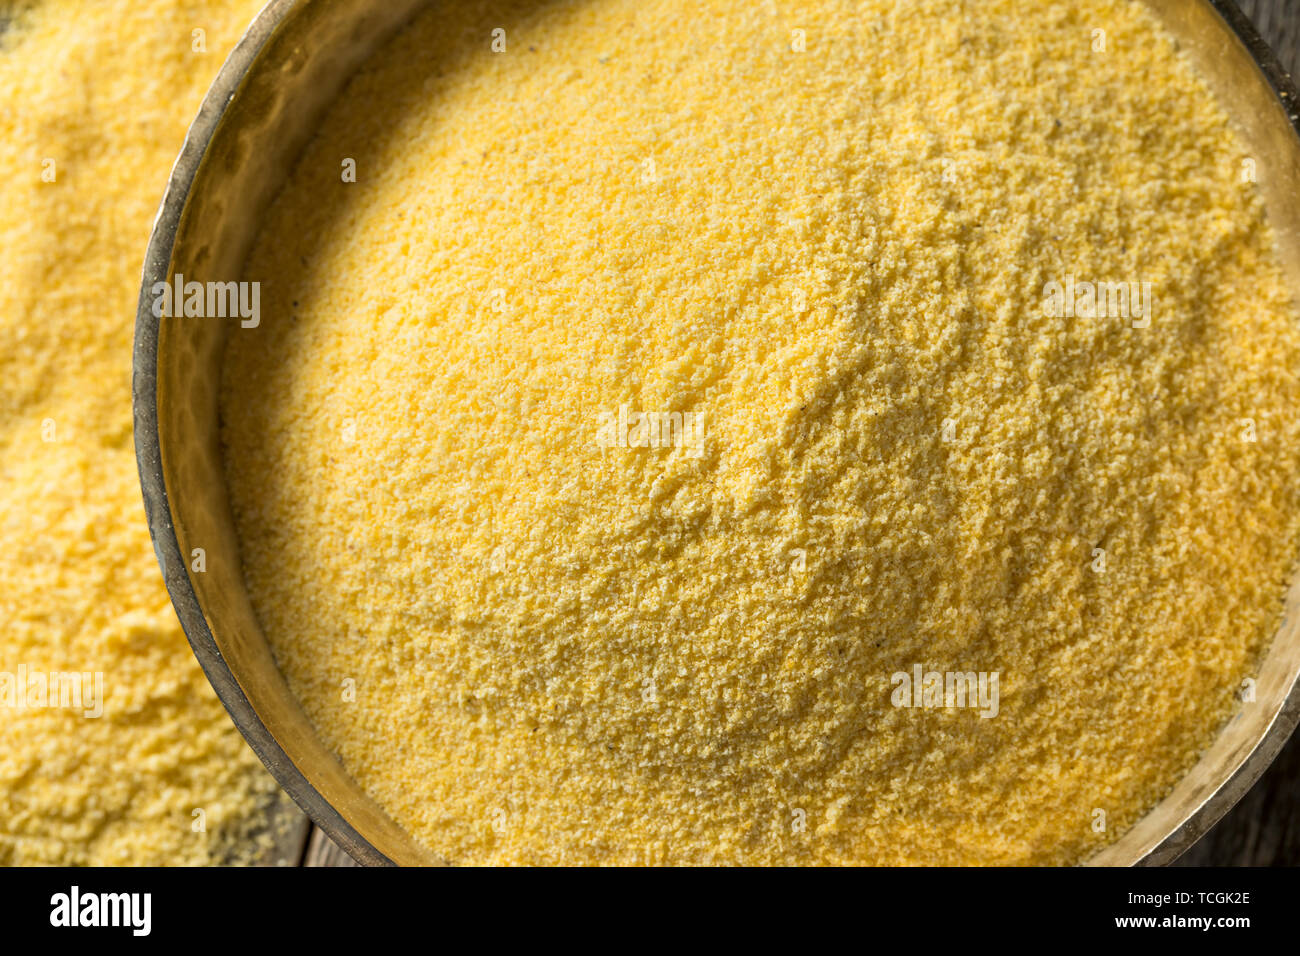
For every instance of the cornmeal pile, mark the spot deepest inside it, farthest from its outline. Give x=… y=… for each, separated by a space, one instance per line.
x=95 y=101
x=538 y=631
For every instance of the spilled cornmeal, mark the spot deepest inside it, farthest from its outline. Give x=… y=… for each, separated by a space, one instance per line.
x=142 y=765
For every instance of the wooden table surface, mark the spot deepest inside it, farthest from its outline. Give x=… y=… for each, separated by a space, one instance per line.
x=1264 y=828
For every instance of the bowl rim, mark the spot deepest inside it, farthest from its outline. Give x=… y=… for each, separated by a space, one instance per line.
x=162 y=241
x=144 y=387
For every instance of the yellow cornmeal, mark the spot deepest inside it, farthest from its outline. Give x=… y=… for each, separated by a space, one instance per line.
x=833 y=246
x=105 y=90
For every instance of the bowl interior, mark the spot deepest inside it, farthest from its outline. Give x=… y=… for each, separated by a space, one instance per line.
x=251 y=128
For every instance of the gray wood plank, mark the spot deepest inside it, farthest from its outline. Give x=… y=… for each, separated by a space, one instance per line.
x=321 y=851
x=1279 y=23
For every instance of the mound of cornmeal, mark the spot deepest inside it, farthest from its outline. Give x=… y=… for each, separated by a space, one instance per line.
x=676 y=382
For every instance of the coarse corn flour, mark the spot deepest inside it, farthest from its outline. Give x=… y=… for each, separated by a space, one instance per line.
x=846 y=243
x=94 y=102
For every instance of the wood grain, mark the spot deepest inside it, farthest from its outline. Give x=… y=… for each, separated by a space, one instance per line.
x=1278 y=22
x=1264 y=828
x=321 y=851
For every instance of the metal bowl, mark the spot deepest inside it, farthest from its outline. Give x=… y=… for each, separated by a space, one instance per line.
x=254 y=122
